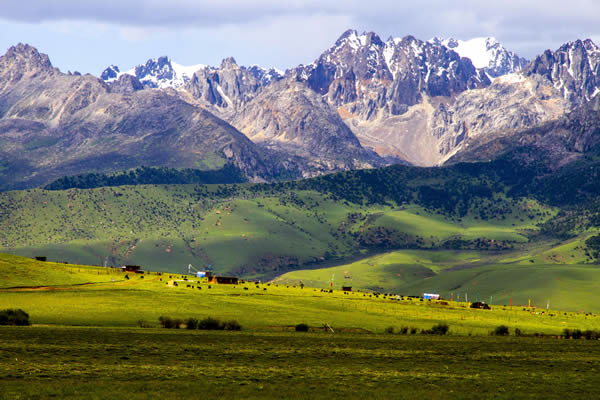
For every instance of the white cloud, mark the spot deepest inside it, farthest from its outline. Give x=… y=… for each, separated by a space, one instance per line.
x=136 y=33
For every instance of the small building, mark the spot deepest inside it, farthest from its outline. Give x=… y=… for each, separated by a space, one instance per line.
x=132 y=268
x=224 y=280
x=347 y=288
x=431 y=296
x=201 y=274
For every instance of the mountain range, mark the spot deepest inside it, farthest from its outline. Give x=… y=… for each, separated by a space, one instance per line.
x=363 y=103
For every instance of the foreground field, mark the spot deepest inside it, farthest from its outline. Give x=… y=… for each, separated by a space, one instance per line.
x=85 y=342
x=102 y=363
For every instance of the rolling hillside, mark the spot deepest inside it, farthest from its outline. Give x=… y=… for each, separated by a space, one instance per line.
x=494 y=210
x=557 y=276
x=65 y=295
x=243 y=229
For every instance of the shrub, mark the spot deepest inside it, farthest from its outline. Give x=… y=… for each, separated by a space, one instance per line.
x=14 y=317
x=177 y=323
x=440 y=329
x=191 y=323
x=301 y=328
x=413 y=331
x=232 y=325
x=389 y=329
x=576 y=334
x=166 y=322
x=501 y=330
x=211 y=324
x=588 y=334
x=142 y=323
x=518 y=332
x=404 y=330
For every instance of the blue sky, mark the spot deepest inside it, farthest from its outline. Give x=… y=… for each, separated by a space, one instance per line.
x=88 y=35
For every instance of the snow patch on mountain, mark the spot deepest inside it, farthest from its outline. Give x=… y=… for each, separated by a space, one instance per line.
x=164 y=73
x=159 y=72
x=485 y=53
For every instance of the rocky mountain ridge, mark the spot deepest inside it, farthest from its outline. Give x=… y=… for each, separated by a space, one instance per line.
x=162 y=72
x=369 y=83
x=574 y=69
x=54 y=124
x=361 y=104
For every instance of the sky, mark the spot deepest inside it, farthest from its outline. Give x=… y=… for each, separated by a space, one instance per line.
x=89 y=35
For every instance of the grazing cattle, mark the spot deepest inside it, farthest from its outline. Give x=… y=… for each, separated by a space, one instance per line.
x=480 y=305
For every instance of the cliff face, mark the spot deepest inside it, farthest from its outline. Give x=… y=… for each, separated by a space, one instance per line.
x=369 y=77
x=281 y=114
x=289 y=117
x=574 y=69
x=552 y=105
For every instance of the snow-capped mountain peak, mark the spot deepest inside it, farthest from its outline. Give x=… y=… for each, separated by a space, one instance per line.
x=485 y=53
x=164 y=73
x=159 y=72
x=574 y=69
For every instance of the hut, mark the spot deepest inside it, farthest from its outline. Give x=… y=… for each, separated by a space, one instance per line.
x=431 y=296
x=132 y=268
x=41 y=258
x=347 y=288
x=224 y=280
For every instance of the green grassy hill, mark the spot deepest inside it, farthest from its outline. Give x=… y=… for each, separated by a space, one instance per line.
x=16 y=271
x=54 y=294
x=237 y=229
x=396 y=229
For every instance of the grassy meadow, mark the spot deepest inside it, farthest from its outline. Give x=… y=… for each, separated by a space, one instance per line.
x=58 y=294
x=108 y=363
x=388 y=233
x=96 y=334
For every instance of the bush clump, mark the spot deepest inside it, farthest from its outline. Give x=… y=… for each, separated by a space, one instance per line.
x=301 y=328
x=142 y=323
x=207 y=323
x=519 y=332
x=210 y=324
x=232 y=325
x=389 y=329
x=578 y=334
x=191 y=323
x=439 y=329
x=169 y=323
x=14 y=317
x=501 y=330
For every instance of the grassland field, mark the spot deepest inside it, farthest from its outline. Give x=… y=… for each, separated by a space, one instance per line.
x=59 y=294
x=109 y=363
x=86 y=341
